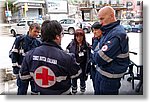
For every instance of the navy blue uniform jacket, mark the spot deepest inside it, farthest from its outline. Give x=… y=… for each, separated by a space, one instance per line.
x=112 y=53
x=51 y=68
x=22 y=45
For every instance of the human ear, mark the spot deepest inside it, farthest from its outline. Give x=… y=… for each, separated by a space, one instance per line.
x=57 y=37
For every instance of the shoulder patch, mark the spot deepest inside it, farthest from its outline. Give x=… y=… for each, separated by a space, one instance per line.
x=105 y=48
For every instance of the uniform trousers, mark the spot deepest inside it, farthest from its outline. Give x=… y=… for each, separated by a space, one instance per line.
x=23 y=86
x=106 y=86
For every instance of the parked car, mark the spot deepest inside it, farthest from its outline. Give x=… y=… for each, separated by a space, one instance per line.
x=86 y=27
x=70 y=25
x=22 y=27
x=137 y=28
x=127 y=28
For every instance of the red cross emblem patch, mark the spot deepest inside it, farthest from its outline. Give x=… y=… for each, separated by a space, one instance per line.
x=44 y=77
x=105 y=48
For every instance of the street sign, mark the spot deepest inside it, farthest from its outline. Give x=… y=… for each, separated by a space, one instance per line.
x=8 y=13
x=9 y=18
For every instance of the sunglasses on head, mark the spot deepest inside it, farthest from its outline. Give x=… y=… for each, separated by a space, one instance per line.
x=79 y=33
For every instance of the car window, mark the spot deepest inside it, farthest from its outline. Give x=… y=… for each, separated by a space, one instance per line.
x=29 y=22
x=38 y=21
x=21 y=23
x=69 y=21
x=63 y=21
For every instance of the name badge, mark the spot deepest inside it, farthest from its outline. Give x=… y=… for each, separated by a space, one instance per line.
x=81 y=54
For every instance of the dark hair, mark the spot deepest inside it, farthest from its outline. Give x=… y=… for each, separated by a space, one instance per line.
x=50 y=29
x=36 y=25
x=79 y=32
x=96 y=25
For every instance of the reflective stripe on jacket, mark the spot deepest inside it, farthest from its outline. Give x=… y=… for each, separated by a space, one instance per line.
x=113 y=54
x=51 y=67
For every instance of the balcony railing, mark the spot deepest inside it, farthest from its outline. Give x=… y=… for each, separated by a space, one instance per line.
x=101 y=5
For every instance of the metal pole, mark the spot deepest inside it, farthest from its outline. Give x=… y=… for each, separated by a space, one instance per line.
x=7 y=6
x=7 y=9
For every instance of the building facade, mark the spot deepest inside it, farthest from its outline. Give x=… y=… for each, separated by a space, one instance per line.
x=32 y=9
x=89 y=10
x=2 y=10
x=134 y=8
x=125 y=9
x=83 y=9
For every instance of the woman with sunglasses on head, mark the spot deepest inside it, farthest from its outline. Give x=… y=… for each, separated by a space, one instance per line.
x=81 y=49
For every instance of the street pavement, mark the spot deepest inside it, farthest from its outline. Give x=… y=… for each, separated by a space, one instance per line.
x=10 y=88
x=4 y=29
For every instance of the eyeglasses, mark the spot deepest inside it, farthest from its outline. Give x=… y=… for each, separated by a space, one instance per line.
x=62 y=34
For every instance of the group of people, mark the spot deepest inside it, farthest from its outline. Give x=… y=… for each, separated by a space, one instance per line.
x=53 y=71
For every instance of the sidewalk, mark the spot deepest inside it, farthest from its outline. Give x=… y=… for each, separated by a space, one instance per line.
x=5 y=24
x=10 y=88
x=4 y=28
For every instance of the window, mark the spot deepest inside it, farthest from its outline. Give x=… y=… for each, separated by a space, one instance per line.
x=21 y=23
x=100 y=2
x=129 y=4
x=70 y=21
x=109 y=1
x=62 y=22
x=138 y=3
x=29 y=22
x=117 y=1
